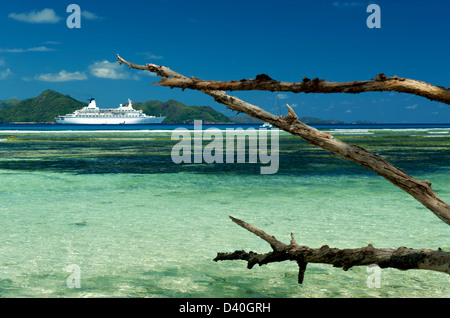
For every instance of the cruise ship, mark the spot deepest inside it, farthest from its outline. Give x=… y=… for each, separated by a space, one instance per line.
x=92 y=115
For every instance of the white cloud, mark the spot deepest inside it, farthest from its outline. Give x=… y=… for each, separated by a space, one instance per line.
x=412 y=106
x=145 y=74
x=151 y=56
x=62 y=76
x=44 y=16
x=89 y=15
x=111 y=70
x=348 y=111
x=100 y=69
x=5 y=74
x=52 y=42
x=31 y=49
x=283 y=96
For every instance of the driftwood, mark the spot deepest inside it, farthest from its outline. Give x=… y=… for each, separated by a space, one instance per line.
x=402 y=258
x=381 y=83
x=420 y=190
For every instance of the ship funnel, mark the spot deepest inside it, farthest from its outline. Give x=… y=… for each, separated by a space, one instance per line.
x=92 y=103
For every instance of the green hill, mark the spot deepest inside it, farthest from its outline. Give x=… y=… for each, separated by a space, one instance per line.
x=246 y=119
x=8 y=103
x=178 y=113
x=49 y=104
x=314 y=120
x=40 y=109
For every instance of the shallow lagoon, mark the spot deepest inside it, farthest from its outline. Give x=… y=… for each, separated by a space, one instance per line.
x=138 y=225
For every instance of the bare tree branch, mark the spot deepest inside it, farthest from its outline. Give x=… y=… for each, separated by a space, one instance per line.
x=420 y=190
x=401 y=258
x=380 y=83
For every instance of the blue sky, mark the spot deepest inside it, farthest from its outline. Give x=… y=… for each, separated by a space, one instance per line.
x=229 y=40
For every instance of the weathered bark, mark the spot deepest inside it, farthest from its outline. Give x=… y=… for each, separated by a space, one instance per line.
x=381 y=83
x=401 y=258
x=420 y=190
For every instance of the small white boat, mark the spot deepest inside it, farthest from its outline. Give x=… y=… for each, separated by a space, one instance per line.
x=266 y=125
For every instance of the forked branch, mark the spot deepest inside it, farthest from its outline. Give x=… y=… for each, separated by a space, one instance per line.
x=420 y=190
x=401 y=258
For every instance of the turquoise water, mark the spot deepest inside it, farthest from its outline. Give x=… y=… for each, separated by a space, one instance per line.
x=137 y=225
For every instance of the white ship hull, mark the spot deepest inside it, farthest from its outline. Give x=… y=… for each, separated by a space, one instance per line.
x=92 y=115
x=108 y=121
